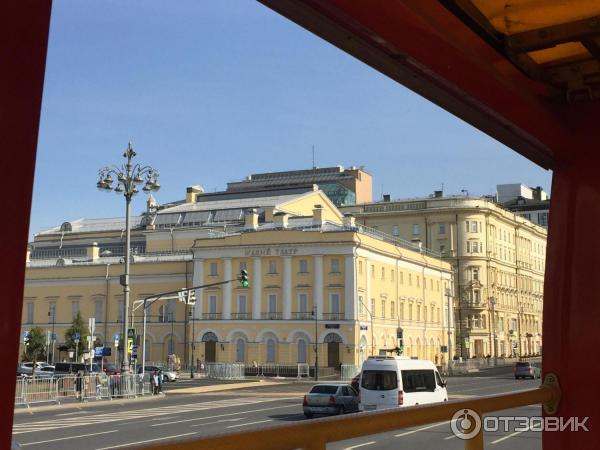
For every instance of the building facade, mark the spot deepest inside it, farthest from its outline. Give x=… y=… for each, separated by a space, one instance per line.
x=498 y=259
x=318 y=282
x=532 y=204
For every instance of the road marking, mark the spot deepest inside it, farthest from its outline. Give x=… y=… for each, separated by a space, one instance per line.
x=508 y=436
x=223 y=415
x=69 y=437
x=147 y=440
x=218 y=421
x=249 y=423
x=71 y=413
x=447 y=438
x=422 y=428
x=360 y=445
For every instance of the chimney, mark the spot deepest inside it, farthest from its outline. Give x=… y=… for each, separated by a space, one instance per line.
x=386 y=197
x=93 y=251
x=349 y=220
x=280 y=220
x=191 y=192
x=318 y=215
x=438 y=194
x=251 y=219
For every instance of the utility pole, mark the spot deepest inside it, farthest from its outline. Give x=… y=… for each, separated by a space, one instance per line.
x=449 y=295
x=316 y=342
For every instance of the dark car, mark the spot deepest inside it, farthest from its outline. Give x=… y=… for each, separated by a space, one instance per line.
x=71 y=368
x=526 y=369
x=111 y=369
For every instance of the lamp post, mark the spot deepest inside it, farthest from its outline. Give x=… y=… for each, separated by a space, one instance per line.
x=52 y=313
x=192 y=319
x=316 y=343
x=449 y=295
x=128 y=176
x=519 y=324
x=492 y=301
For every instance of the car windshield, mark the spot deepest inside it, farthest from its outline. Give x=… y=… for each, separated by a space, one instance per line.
x=323 y=389
x=523 y=364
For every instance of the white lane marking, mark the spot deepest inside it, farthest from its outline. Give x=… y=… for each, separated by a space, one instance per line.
x=249 y=423
x=406 y=433
x=147 y=440
x=71 y=413
x=223 y=415
x=509 y=436
x=360 y=445
x=69 y=437
x=447 y=438
x=218 y=421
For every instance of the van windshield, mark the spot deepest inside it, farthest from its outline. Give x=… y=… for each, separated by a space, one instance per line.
x=379 y=380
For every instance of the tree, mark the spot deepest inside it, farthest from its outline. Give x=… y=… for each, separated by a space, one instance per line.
x=35 y=347
x=77 y=326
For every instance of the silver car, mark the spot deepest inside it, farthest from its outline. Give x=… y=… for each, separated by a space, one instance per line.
x=330 y=399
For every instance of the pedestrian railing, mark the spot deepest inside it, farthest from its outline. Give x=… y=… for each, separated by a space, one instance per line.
x=225 y=371
x=96 y=386
x=316 y=434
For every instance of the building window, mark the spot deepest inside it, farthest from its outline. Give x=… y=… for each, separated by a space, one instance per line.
x=213 y=269
x=410 y=279
x=475 y=273
x=392 y=275
x=383 y=273
x=401 y=275
x=270 y=350
x=74 y=309
x=360 y=267
x=442 y=228
x=240 y=350
x=395 y=230
x=242 y=304
x=212 y=304
x=303 y=266
x=372 y=271
x=301 y=351
x=393 y=309
x=29 y=312
x=410 y=312
x=51 y=312
x=476 y=295
x=372 y=307
x=442 y=248
x=418 y=313
x=543 y=219
x=302 y=303
x=272 y=266
x=361 y=306
x=418 y=281
x=335 y=265
x=401 y=310
x=335 y=305
x=474 y=247
x=416 y=229
x=272 y=303
x=424 y=313
x=527 y=216
x=98 y=310
x=383 y=308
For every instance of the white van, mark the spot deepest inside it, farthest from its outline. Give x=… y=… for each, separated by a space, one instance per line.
x=392 y=381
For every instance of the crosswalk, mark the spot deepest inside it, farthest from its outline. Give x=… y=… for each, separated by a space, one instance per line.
x=141 y=414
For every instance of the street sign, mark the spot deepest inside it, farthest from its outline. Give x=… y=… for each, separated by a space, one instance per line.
x=98 y=352
x=106 y=351
x=129 y=345
x=130 y=333
x=77 y=336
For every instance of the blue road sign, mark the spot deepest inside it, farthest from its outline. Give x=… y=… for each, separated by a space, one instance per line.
x=98 y=352
x=77 y=336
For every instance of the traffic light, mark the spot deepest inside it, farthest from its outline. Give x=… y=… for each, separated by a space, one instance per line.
x=244 y=278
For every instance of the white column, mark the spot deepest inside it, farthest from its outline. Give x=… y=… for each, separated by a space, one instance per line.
x=227 y=289
x=256 y=277
x=318 y=286
x=287 y=287
x=350 y=289
x=198 y=279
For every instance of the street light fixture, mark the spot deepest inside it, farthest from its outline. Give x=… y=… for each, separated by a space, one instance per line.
x=128 y=177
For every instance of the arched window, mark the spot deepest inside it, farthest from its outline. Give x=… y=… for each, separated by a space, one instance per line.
x=240 y=350
x=302 y=351
x=270 y=350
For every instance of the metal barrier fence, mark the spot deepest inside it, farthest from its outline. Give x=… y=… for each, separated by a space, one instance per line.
x=348 y=372
x=96 y=386
x=223 y=371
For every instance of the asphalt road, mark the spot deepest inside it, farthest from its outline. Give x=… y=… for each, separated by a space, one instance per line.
x=117 y=424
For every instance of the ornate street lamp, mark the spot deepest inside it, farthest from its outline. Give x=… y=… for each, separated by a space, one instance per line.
x=128 y=177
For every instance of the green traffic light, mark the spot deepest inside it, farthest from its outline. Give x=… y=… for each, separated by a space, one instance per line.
x=244 y=283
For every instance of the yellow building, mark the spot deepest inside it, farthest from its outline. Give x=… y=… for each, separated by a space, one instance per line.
x=302 y=256
x=498 y=258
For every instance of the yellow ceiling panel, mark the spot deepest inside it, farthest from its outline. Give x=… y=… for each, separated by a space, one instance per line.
x=515 y=16
x=561 y=53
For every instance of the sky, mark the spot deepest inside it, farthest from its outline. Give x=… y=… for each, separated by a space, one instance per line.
x=211 y=91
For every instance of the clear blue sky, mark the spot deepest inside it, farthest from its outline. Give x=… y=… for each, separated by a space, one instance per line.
x=211 y=91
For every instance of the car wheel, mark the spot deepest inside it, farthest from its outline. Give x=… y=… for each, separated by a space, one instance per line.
x=308 y=415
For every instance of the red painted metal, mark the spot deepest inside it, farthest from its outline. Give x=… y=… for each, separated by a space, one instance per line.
x=24 y=28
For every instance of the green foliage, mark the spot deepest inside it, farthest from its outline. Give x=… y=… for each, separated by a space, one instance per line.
x=77 y=326
x=35 y=350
